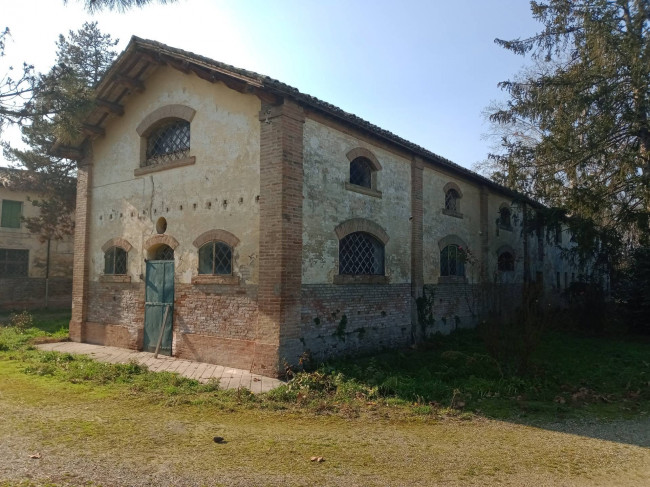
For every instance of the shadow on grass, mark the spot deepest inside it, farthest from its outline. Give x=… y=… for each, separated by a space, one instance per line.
x=576 y=384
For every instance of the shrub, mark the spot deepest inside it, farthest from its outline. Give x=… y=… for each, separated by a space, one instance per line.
x=21 y=321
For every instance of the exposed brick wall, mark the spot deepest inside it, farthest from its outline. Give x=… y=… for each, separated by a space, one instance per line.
x=115 y=305
x=341 y=320
x=280 y=263
x=211 y=323
x=417 y=221
x=461 y=305
x=80 y=267
x=214 y=310
x=484 y=233
x=29 y=292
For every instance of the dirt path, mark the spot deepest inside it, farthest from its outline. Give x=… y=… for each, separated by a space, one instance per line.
x=92 y=435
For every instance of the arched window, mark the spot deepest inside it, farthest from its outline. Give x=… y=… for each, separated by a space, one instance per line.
x=453 y=195
x=163 y=252
x=504 y=217
x=115 y=260
x=506 y=262
x=451 y=200
x=452 y=261
x=361 y=172
x=215 y=258
x=361 y=254
x=170 y=141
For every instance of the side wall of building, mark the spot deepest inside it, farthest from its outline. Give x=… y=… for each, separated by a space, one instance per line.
x=338 y=315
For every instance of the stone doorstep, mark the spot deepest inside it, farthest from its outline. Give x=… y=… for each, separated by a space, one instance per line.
x=228 y=377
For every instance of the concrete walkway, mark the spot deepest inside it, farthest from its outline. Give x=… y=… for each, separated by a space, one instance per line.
x=228 y=377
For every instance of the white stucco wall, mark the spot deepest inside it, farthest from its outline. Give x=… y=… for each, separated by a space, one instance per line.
x=219 y=191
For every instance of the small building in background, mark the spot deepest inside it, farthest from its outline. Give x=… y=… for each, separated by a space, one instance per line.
x=34 y=273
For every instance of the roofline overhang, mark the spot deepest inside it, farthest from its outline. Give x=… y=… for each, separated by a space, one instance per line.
x=153 y=54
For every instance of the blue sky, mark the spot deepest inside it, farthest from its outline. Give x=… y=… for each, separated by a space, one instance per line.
x=425 y=70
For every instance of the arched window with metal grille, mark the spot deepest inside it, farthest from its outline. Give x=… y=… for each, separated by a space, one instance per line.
x=115 y=261
x=452 y=261
x=504 y=217
x=451 y=200
x=361 y=172
x=506 y=262
x=361 y=253
x=163 y=252
x=215 y=258
x=170 y=141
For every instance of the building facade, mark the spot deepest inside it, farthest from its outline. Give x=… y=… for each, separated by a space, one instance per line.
x=34 y=273
x=226 y=217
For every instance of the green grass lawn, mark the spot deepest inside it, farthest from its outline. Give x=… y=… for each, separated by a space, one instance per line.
x=572 y=376
x=413 y=417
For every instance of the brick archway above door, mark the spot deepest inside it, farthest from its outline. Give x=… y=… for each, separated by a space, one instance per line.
x=161 y=239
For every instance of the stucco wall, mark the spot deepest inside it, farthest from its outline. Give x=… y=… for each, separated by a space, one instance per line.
x=327 y=203
x=219 y=191
x=437 y=225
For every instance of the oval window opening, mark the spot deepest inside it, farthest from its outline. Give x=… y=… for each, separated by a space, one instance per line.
x=161 y=225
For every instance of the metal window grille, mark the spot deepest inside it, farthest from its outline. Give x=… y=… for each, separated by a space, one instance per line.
x=361 y=172
x=215 y=258
x=164 y=252
x=169 y=142
x=451 y=200
x=361 y=254
x=11 y=213
x=504 y=217
x=115 y=260
x=14 y=262
x=506 y=262
x=451 y=261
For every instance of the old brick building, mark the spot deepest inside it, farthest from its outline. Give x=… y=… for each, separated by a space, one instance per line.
x=264 y=222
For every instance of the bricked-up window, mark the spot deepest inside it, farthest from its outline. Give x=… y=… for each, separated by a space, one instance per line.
x=14 y=262
x=361 y=254
x=169 y=142
x=451 y=200
x=11 y=213
x=452 y=261
x=215 y=258
x=506 y=262
x=361 y=172
x=115 y=260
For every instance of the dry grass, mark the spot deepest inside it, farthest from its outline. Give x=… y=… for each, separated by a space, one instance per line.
x=107 y=436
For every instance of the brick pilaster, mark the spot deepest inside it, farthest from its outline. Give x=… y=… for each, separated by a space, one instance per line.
x=484 y=233
x=280 y=271
x=417 y=279
x=80 y=267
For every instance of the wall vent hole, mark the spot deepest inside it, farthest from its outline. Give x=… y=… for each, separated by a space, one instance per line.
x=161 y=225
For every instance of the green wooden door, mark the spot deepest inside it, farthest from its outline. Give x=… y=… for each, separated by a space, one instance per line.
x=159 y=294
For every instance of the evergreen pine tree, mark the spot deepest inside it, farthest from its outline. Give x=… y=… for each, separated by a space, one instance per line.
x=575 y=130
x=61 y=99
